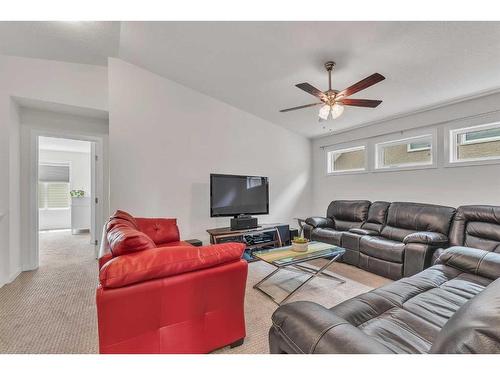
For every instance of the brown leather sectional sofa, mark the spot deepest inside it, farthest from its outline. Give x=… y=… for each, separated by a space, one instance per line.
x=390 y=239
x=451 y=307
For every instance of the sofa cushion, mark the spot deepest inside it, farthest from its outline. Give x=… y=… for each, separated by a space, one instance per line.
x=483 y=235
x=470 y=260
x=166 y=261
x=327 y=235
x=123 y=215
x=364 y=232
x=391 y=270
x=116 y=222
x=475 y=328
x=160 y=230
x=320 y=222
x=404 y=218
x=348 y=213
x=125 y=240
x=382 y=248
x=377 y=215
x=476 y=226
x=407 y=315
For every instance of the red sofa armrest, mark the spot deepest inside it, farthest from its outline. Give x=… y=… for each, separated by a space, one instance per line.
x=160 y=230
x=166 y=261
x=104 y=259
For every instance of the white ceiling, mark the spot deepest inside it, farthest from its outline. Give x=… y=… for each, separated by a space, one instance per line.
x=84 y=42
x=62 y=144
x=255 y=65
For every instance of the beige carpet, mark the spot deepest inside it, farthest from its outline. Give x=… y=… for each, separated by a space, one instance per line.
x=52 y=309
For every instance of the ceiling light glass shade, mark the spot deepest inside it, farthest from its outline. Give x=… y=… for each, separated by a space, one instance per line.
x=337 y=110
x=324 y=112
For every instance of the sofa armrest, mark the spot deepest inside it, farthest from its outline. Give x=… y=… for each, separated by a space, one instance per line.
x=364 y=232
x=163 y=262
x=471 y=260
x=306 y=327
x=320 y=222
x=427 y=238
x=104 y=259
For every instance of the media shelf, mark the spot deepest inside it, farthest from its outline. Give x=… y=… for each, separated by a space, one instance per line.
x=263 y=237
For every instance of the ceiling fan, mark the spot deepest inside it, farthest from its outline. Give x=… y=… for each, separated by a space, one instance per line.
x=333 y=101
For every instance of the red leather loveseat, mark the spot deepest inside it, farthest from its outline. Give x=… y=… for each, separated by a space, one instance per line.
x=161 y=295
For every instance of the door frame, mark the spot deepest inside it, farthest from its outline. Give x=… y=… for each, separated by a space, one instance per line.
x=97 y=175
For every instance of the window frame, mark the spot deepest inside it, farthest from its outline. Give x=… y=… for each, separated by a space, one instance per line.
x=409 y=149
x=339 y=150
x=392 y=141
x=452 y=145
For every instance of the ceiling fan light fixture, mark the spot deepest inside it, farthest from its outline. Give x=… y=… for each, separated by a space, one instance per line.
x=324 y=112
x=337 y=110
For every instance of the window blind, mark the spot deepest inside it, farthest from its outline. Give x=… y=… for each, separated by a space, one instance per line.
x=53 y=173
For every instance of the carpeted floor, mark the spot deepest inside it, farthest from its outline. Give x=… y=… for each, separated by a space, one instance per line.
x=52 y=309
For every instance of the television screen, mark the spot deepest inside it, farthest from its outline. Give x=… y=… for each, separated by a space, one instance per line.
x=232 y=195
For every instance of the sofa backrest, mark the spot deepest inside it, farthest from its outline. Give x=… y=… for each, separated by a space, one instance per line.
x=404 y=218
x=377 y=216
x=477 y=226
x=347 y=214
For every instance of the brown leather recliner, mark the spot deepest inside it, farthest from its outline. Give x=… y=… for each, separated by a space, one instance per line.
x=393 y=240
x=452 y=307
x=377 y=215
x=475 y=226
x=341 y=216
x=407 y=241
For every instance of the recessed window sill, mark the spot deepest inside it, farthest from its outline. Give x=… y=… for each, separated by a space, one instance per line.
x=408 y=168
x=471 y=163
x=341 y=173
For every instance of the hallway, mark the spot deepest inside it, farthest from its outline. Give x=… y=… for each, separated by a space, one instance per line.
x=52 y=309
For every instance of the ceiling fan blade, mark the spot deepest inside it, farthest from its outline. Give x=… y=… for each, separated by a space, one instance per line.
x=312 y=90
x=300 y=107
x=361 y=102
x=361 y=85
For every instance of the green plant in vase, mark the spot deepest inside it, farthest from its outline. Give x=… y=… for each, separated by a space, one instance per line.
x=77 y=193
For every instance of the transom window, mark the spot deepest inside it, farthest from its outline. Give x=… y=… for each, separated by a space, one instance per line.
x=475 y=143
x=402 y=153
x=347 y=160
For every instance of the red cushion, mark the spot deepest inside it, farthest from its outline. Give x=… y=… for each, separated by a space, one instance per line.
x=166 y=261
x=176 y=243
x=161 y=231
x=115 y=222
x=125 y=240
x=122 y=215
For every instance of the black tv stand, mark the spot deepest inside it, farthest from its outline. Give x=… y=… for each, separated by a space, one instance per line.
x=263 y=237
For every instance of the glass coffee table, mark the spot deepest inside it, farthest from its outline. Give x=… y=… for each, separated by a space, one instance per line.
x=286 y=258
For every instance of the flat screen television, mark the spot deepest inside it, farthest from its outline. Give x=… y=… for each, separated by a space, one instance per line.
x=232 y=195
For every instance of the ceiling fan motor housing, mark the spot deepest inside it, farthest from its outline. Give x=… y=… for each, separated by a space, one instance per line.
x=329 y=65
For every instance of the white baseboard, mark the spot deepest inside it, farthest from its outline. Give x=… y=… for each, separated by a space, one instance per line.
x=13 y=276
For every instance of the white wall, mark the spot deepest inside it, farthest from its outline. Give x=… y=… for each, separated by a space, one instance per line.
x=452 y=186
x=166 y=139
x=14 y=191
x=79 y=180
x=49 y=81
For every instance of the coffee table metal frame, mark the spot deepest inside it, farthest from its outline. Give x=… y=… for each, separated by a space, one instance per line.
x=296 y=266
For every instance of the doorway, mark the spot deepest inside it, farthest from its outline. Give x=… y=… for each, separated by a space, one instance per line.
x=65 y=189
x=66 y=183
